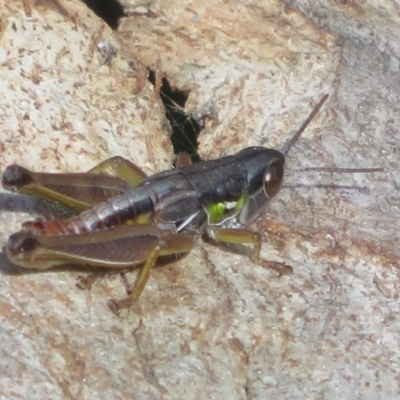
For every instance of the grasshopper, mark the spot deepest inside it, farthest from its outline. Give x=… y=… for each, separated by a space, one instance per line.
x=128 y=219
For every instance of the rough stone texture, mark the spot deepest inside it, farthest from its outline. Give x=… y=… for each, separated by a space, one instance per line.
x=213 y=325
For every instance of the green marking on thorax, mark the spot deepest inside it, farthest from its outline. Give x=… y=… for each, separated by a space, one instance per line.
x=219 y=212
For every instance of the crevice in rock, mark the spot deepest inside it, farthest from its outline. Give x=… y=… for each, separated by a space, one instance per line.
x=185 y=128
x=110 y=11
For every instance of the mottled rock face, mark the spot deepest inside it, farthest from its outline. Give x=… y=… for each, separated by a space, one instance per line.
x=211 y=325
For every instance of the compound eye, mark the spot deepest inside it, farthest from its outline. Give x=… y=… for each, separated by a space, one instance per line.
x=273 y=178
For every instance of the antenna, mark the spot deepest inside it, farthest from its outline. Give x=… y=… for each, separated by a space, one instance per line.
x=289 y=144
x=335 y=169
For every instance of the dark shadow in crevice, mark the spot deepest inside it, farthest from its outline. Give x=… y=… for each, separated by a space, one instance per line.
x=185 y=128
x=110 y=11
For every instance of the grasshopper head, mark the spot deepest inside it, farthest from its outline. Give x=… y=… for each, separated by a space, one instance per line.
x=273 y=176
x=265 y=170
